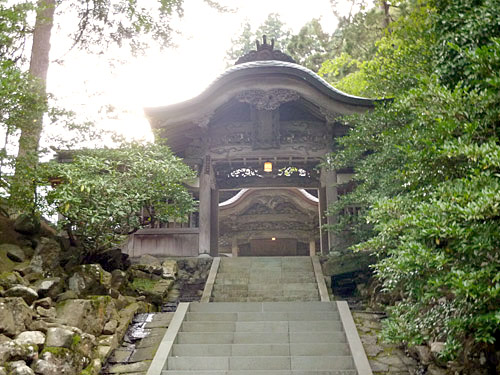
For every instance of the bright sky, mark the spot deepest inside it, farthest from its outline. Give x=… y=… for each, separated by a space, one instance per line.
x=86 y=82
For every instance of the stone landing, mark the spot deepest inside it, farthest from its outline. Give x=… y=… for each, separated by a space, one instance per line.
x=265 y=279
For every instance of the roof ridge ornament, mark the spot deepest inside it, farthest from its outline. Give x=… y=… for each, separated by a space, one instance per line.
x=264 y=51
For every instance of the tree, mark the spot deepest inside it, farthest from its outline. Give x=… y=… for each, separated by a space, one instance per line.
x=272 y=27
x=19 y=92
x=428 y=173
x=311 y=46
x=100 y=24
x=101 y=192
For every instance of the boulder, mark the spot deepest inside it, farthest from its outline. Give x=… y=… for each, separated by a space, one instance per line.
x=90 y=279
x=148 y=259
x=14 y=252
x=119 y=279
x=47 y=256
x=10 y=279
x=87 y=315
x=4 y=338
x=110 y=327
x=59 y=337
x=30 y=338
x=27 y=224
x=20 y=368
x=26 y=293
x=46 y=303
x=55 y=361
x=44 y=367
x=49 y=287
x=47 y=313
x=15 y=316
x=11 y=351
x=67 y=295
x=170 y=269
x=151 y=268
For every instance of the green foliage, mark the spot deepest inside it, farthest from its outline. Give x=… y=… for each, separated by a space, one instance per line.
x=143 y=284
x=428 y=174
x=311 y=46
x=19 y=93
x=100 y=193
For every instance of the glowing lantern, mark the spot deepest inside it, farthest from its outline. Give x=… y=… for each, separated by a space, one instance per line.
x=268 y=166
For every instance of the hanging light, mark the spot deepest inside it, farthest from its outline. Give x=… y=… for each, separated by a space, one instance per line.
x=268 y=166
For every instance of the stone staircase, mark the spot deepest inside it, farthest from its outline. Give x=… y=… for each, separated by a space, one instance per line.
x=263 y=279
x=279 y=338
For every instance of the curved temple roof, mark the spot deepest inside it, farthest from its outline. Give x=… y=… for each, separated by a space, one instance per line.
x=257 y=75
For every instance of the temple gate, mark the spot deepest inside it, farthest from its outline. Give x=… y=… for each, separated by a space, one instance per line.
x=266 y=123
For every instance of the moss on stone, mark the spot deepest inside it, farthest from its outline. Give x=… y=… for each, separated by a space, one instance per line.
x=143 y=284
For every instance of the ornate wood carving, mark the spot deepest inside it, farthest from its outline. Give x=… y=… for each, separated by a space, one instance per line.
x=264 y=51
x=266 y=129
x=304 y=135
x=267 y=100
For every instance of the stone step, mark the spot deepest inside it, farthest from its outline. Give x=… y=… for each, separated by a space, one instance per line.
x=262 y=316
x=260 y=337
x=261 y=363
x=239 y=307
x=265 y=299
x=264 y=287
x=273 y=326
x=259 y=372
x=226 y=350
x=267 y=293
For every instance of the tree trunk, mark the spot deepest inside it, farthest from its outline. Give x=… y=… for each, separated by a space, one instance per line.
x=22 y=192
x=384 y=6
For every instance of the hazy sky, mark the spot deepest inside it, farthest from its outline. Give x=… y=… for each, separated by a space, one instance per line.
x=86 y=82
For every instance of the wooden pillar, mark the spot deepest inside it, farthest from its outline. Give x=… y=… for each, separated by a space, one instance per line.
x=205 y=206
x=329 y=182
x=234 y=248
x=323 y=234
x=214 y=222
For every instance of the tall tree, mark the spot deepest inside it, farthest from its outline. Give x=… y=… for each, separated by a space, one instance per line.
x=311 y=46
x=100 y=24
x=427 y=167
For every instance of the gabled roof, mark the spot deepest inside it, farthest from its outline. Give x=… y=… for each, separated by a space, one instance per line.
x=263 y=75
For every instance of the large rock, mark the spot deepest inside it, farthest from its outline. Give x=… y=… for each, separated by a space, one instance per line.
x=12 y=351
x=26 y=293
x=119 y=279
x=49 y=287
x=87 y=315
x=27 y=224
x=31 y=338
x=59 y=337
x=47 y=256
x=170 y=269
x=90 y=279
x=149 y=265
x=20 y=368
x=14 y=252
x=55 y=361
x=9 y=279
x=15 y=316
